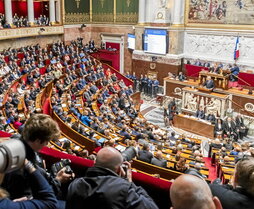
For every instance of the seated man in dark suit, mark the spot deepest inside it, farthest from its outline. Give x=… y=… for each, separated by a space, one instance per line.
x=219 y=128
x=240 y=194
x=200 y=113
x=229 y=127
x=158 y=160
x=211 y=118
x=242 y=130
x=144 y=154
x=209 y=84
x=181 y=76
x=234 y=73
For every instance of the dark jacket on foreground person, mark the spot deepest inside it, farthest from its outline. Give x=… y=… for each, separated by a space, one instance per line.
x=17 y=182
x=43 y=195
x=231 y=198
x=101 y=188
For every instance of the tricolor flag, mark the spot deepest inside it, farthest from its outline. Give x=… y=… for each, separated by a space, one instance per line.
x=237 y=51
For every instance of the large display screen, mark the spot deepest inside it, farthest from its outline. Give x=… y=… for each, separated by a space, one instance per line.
x=131 y=41
x=155 y=41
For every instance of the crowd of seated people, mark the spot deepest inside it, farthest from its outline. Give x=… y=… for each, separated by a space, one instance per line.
x=116 y=114
x=21 y=21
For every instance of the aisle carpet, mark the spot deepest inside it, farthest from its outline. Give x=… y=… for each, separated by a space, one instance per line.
x=45 y=108
x=212 y=169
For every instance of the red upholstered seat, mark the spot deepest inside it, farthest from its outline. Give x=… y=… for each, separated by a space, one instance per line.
x=158 y=189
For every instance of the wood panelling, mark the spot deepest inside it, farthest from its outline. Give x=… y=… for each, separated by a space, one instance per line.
x=142 y=67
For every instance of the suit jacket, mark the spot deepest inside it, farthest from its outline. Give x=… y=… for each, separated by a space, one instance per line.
x=101 y=188
x=209 y=84
x=231 y=198
x=181 y=77
x=239 y=122
x=200 y=114
x=87 y=96
x=217 y=128
x=229 y=128
x=211 y=118
x=159 y=162
x=121 y=103
x=145 y=156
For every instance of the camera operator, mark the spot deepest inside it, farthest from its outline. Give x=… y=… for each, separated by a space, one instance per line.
x=38 y=131
x=108 y=185
x=43 y=195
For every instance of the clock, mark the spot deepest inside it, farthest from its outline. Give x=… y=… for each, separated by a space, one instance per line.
x=160 y=15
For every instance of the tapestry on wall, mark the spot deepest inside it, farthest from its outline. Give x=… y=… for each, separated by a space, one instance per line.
x=239 y=12
x=127 y=11
x=103 y=11
x=76 y=11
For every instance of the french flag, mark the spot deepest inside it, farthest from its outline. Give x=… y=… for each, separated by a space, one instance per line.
x=237 y=51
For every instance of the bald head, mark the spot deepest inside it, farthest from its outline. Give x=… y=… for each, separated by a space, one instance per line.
x=159 y=154
x=109 y=157
x=191 y=191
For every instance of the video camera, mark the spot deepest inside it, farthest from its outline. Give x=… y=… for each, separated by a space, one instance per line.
x=12 y=155
x=55 y=168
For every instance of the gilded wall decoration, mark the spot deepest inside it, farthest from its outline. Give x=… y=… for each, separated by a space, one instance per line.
x=238 y=12
x=102 y=3
x=128 y=2
x=127 y=17
x=102 y=11
x=103 y=17
x=78 y=3
x=127 y=11
x=76 y=18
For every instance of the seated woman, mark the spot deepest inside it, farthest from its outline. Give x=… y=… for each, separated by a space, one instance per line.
x=17 y=123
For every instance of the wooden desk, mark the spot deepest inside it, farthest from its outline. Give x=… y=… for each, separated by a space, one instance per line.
x=195 y=126
x=239 y=98
x=220 y=80
x=211 y=102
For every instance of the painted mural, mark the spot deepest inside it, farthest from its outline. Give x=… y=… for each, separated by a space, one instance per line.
x=239 y=12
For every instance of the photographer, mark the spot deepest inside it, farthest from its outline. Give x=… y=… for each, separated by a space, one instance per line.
x=103 y=187
x=38 y=131
x=43 y=195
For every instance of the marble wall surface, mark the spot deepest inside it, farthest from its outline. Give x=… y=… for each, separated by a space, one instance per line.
x=72 y=32
x=19 y=42
x=218 y=46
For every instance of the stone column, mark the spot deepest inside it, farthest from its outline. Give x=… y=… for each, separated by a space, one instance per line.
x=58 y=11
x=8 y=11
x=141 y=11
x=178 y=12
x=52 y=12
x=30 y=11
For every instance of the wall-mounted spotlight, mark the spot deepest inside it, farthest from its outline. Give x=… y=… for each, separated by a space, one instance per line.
x=82 y=26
